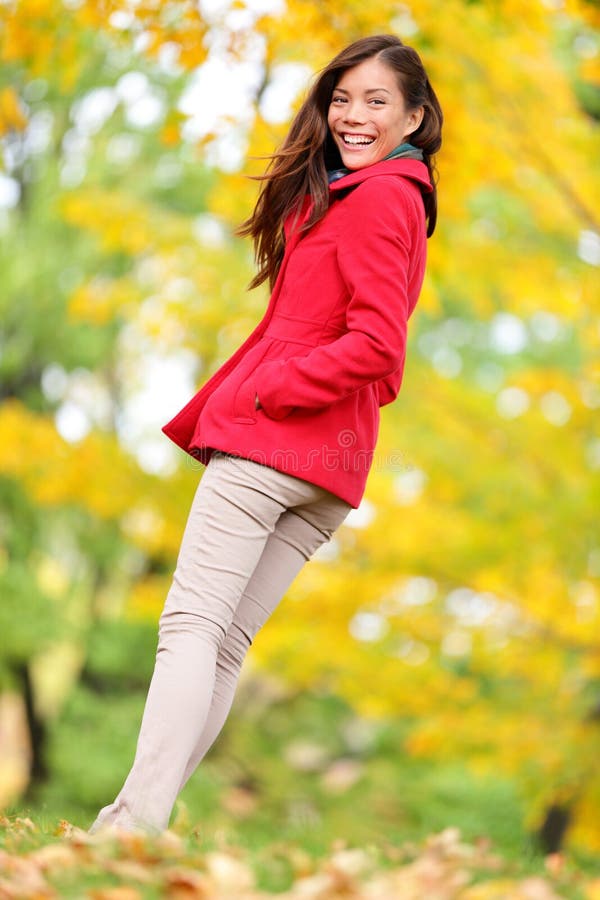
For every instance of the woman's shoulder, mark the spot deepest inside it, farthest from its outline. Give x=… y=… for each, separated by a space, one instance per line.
x=383 y=185
x=382 y=196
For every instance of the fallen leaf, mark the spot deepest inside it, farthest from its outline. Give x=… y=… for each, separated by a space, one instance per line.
x=227 y=872
x=536 y=889
x=130 y=870
x=54 y=856
x=305 y=756
x=24 y=880
x=114 y=893
x=182 y=883
x=239 y=802
x=341 y=775
x=555 y=863
x=170 y=845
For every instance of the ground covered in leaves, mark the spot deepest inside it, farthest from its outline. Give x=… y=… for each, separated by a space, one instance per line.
x=70 y=863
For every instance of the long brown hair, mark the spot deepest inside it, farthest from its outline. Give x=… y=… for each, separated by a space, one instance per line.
x=300 y=165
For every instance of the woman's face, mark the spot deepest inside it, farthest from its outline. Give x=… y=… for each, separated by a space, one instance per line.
x=367 y=114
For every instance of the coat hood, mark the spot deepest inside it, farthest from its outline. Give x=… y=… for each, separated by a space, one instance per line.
x=409 y=168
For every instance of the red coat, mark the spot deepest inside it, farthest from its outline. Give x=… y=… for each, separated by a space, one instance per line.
x=331 y=346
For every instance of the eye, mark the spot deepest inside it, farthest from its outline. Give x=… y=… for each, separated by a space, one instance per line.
x=377 y=100
x=338 y=100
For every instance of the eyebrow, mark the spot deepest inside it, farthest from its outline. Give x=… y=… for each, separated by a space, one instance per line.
x=370 y=91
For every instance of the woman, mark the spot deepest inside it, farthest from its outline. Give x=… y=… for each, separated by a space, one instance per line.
x=287 y=426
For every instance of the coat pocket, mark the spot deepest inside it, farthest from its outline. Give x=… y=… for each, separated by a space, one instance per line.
x=244 y=409
x=244 y=401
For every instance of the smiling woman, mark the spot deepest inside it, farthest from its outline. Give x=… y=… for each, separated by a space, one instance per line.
x=389 y=79
x=288 y=425
x=367 y=123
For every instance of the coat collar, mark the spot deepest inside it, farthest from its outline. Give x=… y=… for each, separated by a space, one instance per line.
x=413 y=169
x=408 y=168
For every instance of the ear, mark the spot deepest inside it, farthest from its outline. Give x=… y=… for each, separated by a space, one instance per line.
x=415 y=117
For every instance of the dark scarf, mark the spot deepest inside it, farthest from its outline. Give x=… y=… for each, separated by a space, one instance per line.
x=406 y=151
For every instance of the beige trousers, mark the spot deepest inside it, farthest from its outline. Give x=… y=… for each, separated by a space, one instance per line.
x=250 y=530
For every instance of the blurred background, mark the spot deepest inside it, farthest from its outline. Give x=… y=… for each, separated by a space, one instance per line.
x=438 y=663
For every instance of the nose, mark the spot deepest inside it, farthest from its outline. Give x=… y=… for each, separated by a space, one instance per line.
x=354 y=112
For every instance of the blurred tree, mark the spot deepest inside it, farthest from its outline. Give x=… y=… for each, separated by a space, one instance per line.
x=86 y=139
x=475 y=557
x=474 y=586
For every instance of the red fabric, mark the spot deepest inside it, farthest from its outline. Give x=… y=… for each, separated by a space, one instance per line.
x=330 y=349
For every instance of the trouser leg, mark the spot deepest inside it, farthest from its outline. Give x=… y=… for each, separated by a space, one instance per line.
x=235 y=509
x=298 y=534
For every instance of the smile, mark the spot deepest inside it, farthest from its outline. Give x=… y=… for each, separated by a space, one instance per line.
x=357 y=139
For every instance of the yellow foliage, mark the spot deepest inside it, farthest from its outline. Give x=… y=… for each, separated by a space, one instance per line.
x=102 y=299
x=147 y=597
x=52 y=577
x=585 y=826
x=36 y=34
x=589 y=69
x=57 y=473
x=501 y=509
x=12 y=116
x=181 y=24
x=224 y=199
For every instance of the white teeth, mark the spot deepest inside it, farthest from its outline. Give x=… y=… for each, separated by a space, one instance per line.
x=356 y=139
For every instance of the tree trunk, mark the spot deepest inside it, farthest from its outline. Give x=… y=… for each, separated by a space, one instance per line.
x=36 y=726
x=552 y=830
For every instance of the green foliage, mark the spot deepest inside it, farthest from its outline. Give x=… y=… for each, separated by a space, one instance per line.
x=120 y=655
x=118 y=251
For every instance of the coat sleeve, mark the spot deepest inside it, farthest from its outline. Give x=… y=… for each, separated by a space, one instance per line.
x=374 y=247
x=388 y=388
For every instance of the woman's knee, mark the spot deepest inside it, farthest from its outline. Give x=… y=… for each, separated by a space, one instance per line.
x=234 y=648
x=176 y=624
